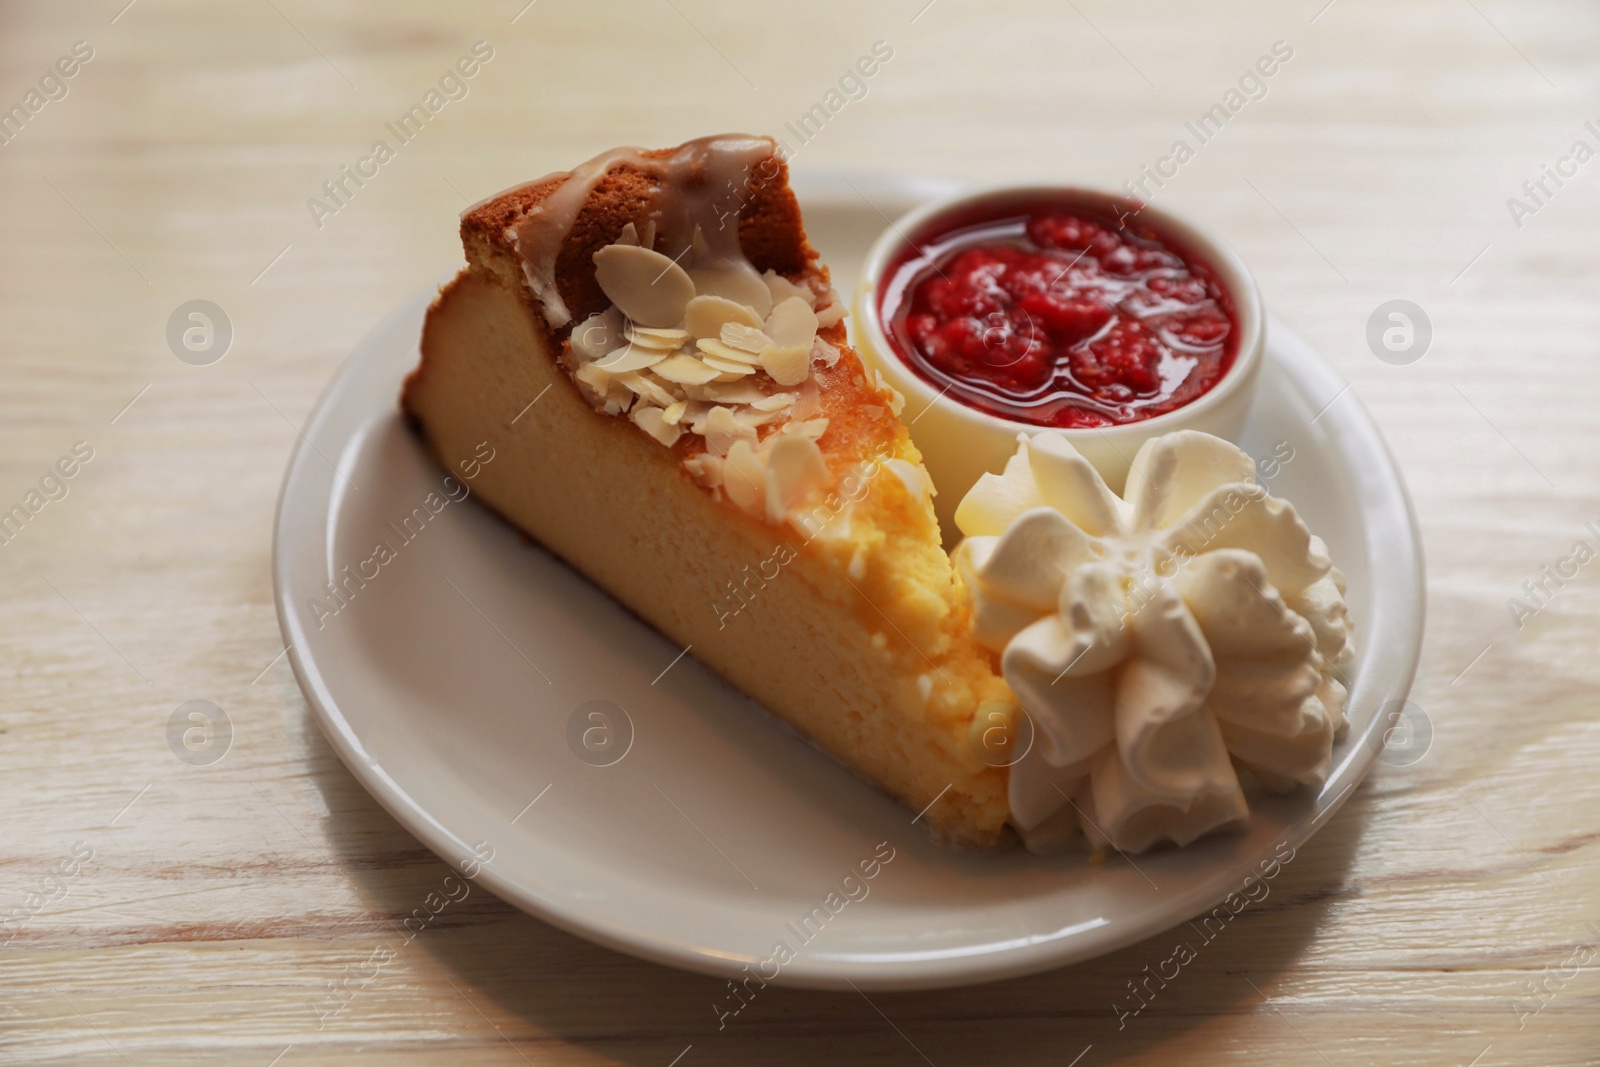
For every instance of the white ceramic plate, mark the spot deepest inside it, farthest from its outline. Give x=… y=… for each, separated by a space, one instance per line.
x=449 y=682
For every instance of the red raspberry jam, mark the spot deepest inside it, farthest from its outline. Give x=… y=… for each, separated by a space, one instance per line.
x=1060 y=317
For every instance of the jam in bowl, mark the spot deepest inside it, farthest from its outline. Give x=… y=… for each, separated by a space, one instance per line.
x=1019 y=309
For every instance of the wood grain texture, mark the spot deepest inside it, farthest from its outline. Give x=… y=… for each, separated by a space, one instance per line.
x=220 y=901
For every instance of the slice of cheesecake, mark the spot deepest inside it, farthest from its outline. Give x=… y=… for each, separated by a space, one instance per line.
x=660 y=363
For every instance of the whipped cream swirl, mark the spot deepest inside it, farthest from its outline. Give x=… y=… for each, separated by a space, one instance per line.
x=1161 y=644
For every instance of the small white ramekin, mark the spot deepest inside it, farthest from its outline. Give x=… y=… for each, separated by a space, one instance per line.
x=960 y=443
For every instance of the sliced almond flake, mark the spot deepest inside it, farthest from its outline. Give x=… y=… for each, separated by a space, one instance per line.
x=594 y=377
x=706 y=315
x=729 y=366
x=647 y=389
x=648 y=287
x=741 y=415
x=723 y=427
x=897 y=399
x=741 y=392
x=696 y=411
x=648 y=418
x=788 y=365
x=782 y=289
x=653 y=348
x=713 y=347
x=705 y=469
x=813 y=428
x=647 y=236
x=617 y=399
x=774 y=402
x=673 y=412
x=792 y=323
x=652 y=337
x=744 y=478
x=744 y=338
x=628 y=236
x=630 y=358
x=759 y=418
x=824 y=353
x=598 y=335
x=733 y=377
x=684 y=369
x=741 y=284
x=831 y=315
x=795 y=470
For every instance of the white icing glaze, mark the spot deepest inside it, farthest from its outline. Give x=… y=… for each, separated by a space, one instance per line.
x=1158 y=642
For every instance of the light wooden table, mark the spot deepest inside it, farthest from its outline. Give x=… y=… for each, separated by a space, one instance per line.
x=1447 y=916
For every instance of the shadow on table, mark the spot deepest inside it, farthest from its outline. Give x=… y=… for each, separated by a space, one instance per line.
x=566 y=991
